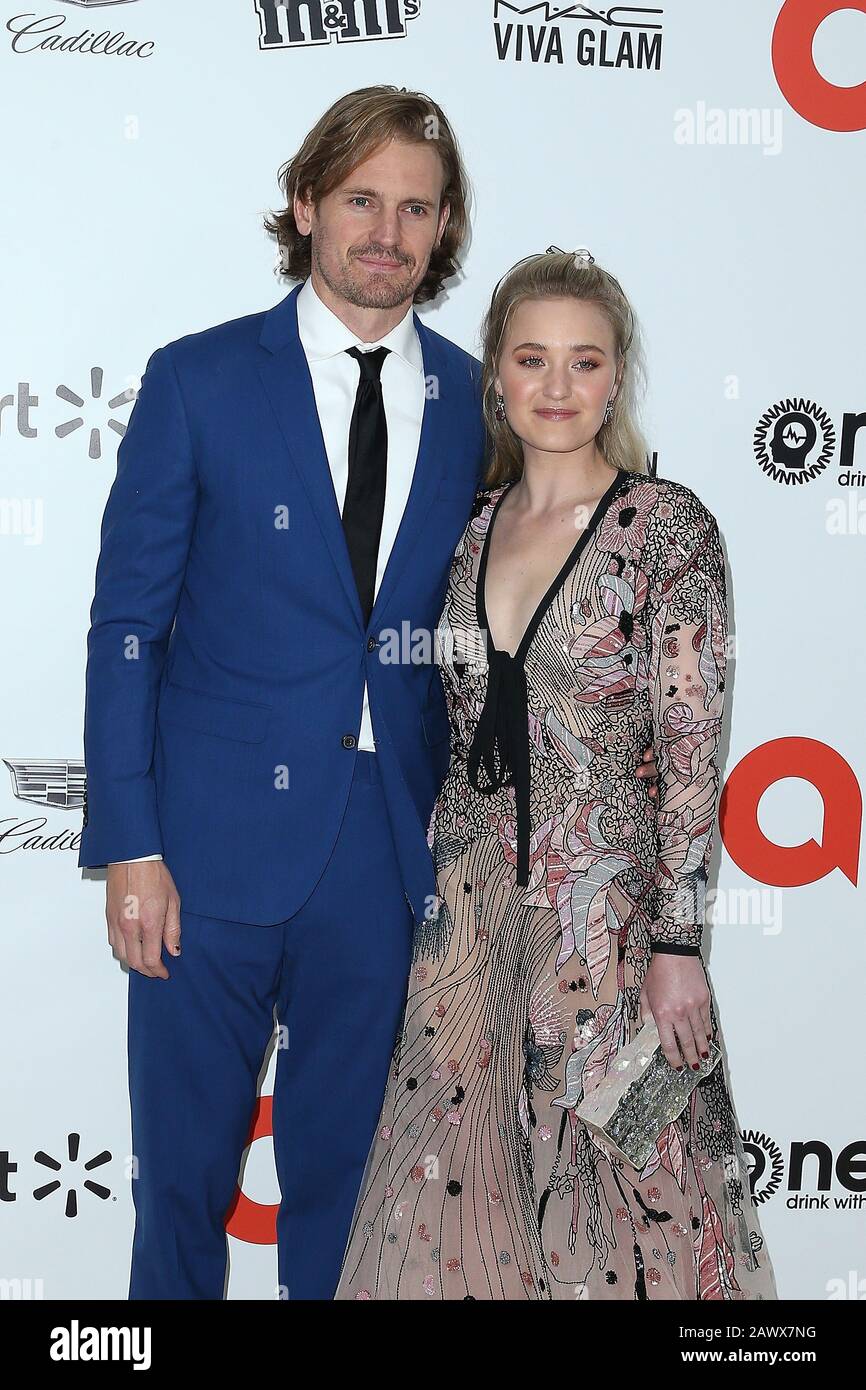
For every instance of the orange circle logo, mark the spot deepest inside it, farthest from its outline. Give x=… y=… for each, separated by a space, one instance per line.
x=245 y=1219
x=792 y=866
x=800 y=82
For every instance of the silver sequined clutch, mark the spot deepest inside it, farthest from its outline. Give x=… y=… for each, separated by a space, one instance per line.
x=640 y=1095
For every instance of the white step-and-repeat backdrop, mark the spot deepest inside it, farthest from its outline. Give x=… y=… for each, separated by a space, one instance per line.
x=712 y=156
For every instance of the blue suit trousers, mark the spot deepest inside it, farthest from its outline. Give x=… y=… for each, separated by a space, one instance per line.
x=333 y=977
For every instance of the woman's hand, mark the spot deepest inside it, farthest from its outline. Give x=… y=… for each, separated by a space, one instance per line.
x=676 y=995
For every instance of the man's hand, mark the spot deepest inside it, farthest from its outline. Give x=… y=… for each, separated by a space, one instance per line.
x=675 y=993
x=142 y=909
x=648 y=770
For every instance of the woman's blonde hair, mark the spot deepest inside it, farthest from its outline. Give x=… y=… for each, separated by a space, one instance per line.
x=347 y=134
x=558 y=274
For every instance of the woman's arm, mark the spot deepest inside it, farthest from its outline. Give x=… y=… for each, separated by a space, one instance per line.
x=687 y=684
x=688 y=647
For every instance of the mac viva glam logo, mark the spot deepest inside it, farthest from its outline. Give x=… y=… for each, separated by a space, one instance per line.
x=53 y=34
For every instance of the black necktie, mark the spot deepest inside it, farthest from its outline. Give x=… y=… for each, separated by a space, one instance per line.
x=364 y=505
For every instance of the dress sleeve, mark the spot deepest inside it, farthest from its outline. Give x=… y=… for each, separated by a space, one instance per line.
x=687 y=684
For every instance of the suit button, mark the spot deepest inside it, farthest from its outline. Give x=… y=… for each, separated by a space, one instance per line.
x=349 y=740
x=372 y=644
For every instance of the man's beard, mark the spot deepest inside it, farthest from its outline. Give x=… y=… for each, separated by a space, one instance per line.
x=369 y=290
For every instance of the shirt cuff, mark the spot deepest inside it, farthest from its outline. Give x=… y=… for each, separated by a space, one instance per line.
x=140 y=860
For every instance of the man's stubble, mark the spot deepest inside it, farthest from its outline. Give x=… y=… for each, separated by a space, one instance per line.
x=364 y=290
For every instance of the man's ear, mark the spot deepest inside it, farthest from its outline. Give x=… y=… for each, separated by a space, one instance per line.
x=303 y=208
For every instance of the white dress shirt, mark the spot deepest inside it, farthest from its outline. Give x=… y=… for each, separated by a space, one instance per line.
x=335 y=375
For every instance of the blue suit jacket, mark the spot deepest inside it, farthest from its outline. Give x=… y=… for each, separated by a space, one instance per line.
x=227 y=651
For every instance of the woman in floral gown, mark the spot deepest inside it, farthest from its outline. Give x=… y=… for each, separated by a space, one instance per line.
x=570 y=907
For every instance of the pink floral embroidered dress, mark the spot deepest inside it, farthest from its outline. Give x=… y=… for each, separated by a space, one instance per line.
x=557 y=877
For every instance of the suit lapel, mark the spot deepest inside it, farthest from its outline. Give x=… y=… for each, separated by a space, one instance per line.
x=285 y=376
x=429 y=466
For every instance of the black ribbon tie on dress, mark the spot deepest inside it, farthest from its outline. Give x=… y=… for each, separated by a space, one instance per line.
x=499 y=753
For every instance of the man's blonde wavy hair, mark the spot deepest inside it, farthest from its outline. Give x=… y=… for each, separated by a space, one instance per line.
x=348 y=133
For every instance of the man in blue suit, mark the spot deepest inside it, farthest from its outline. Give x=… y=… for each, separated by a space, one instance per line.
x=260 y=774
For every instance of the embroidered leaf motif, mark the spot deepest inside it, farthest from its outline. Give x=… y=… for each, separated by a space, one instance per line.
x=572 y=750
x=713 y=1256
x=599 y=639
x=575 y=901
x=672 y=1154
x=596 y=940
x=617 y=594
x=606 y=1020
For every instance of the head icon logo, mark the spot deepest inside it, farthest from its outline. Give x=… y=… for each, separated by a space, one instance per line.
x=766 y=1166
x=786 y=438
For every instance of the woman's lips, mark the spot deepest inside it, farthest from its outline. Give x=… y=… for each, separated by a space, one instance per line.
x=556 y=414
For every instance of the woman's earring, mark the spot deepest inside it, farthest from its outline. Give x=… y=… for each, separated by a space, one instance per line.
x=500 y=407
x=608 y=412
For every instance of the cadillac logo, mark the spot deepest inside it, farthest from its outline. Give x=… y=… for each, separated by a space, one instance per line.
x=58 y=784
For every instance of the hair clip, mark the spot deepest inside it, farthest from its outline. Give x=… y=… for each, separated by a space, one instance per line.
x=582 y=256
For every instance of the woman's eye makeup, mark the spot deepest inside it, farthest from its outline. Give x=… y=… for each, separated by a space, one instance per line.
x=532 y=359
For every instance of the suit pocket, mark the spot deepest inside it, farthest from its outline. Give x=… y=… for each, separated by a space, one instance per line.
x=212 y=714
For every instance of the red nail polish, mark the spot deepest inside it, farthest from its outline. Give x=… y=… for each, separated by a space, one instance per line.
x=696 y=1066
x=705 y=1054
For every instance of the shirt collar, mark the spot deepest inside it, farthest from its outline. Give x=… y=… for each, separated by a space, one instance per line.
x=324 y=335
